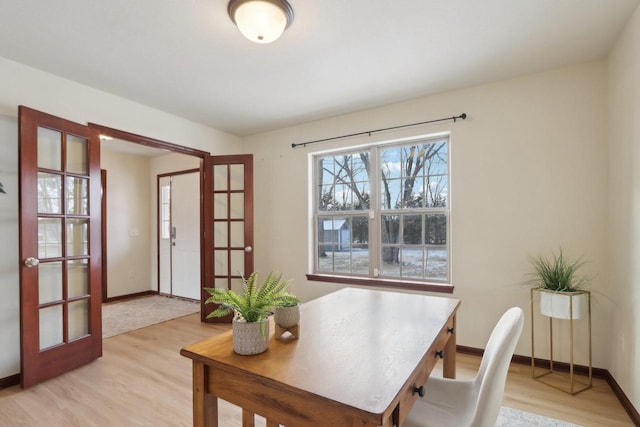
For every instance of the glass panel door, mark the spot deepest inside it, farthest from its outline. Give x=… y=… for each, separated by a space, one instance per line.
x=60 y=277
x=230 y=221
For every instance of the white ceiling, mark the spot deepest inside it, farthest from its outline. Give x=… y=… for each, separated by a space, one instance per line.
x=186 y=57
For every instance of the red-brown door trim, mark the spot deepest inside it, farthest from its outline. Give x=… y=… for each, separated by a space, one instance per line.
x=103 y=231
x=149 y=142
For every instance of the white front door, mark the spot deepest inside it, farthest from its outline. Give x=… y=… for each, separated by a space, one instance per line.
x=179 y=243
x=185 y=229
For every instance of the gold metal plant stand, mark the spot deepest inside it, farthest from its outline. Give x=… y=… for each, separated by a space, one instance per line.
x=573 y=385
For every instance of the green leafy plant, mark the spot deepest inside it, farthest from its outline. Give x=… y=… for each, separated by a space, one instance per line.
x=255 y=302
x=558 y=273
x=289 y=300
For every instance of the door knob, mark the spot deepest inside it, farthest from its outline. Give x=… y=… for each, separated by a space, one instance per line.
x=248 y=249
x=31 y=262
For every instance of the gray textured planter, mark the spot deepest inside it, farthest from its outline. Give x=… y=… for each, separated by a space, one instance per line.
x=250 y=338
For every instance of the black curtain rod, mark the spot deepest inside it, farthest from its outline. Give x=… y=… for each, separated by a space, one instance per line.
x=369 y=132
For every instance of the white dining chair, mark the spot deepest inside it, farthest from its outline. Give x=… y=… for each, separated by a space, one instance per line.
x=476 y=402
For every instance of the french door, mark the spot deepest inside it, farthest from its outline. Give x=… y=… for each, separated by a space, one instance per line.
x=60 y=238
x=60 y=273
x=228 y=227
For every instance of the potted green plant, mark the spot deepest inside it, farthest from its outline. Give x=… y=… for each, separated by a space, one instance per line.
x=560 y=284
x=287 y=314
x=251 y=310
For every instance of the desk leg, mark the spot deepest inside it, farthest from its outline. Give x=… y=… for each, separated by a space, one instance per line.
x=449 y=362
x=205 y=407
x=248 y=418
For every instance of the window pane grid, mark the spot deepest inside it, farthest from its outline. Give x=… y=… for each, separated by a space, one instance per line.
x=343 y=182
x=343 y=244
x=414 y=246
x=49 y=193
x=409 y=213
x=165 y=212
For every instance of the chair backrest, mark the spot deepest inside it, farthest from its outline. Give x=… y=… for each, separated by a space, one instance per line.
x=492 y=375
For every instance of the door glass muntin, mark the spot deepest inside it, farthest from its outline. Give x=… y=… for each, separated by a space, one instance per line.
x=63 y=231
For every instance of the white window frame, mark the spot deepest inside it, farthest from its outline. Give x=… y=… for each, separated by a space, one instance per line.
x=375 y=245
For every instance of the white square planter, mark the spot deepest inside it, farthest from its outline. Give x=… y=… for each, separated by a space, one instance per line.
x=557 y=304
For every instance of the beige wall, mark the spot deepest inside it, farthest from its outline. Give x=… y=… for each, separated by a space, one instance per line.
x=624 y=207
x=9 y=274
x=528 y=174
x=22 y=85
x=129 y=230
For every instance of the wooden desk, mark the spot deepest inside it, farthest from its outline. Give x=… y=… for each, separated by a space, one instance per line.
x=359 y=354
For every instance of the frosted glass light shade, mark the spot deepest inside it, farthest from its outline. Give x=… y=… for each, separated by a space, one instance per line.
x=261 y=21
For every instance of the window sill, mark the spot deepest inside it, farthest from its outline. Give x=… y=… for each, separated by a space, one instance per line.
x=385 y=283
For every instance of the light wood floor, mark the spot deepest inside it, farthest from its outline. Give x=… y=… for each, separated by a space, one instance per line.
x=143 y=381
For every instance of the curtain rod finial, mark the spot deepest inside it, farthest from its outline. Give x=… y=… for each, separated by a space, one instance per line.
x=463 y=116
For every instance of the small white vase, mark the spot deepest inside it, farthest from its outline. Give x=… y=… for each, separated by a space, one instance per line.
x=287 y=317
x=556 y=304
x=250 y=337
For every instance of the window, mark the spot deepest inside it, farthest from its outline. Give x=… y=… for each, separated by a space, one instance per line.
x=382 y=212
x=165 y=211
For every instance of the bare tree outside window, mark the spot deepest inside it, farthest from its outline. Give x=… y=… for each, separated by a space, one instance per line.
x=410 y=211
x=413 y=177
x=344 y=186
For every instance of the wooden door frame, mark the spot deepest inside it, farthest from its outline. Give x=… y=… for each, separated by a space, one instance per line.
x=103 y=231
x=154 y=143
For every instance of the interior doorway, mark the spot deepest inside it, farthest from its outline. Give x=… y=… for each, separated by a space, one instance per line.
x=132 y=164
x=179 y=234
x=225 y=209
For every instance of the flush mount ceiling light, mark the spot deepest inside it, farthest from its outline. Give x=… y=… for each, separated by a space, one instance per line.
x=261 y=21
